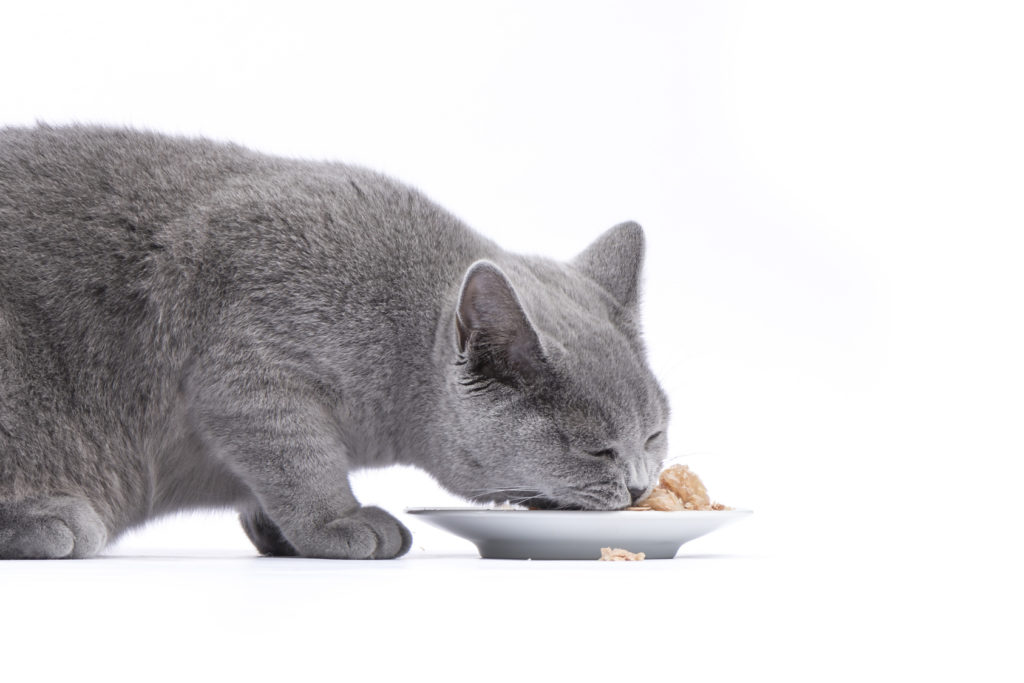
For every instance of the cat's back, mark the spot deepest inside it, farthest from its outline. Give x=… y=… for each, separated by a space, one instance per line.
x=105 y=225
x=111 y=190
x=93 y=174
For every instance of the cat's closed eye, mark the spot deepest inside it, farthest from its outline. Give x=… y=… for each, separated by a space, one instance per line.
x=653 y=439
x=608 y=453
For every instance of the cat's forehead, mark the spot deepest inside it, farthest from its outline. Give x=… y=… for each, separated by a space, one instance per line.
x=603 y=384
x=604 y=374
x=560 y=300
x=603 y=381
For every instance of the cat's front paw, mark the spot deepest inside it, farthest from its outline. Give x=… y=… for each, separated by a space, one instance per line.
x=367 y=533
x=50 y=528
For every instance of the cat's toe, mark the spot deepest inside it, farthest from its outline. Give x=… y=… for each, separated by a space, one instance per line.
x=89 y=532
x=369 y=533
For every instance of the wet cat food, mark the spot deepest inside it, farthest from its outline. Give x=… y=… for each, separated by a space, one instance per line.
x=678 y=489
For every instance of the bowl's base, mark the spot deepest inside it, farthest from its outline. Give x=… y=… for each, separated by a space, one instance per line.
x=511 y=550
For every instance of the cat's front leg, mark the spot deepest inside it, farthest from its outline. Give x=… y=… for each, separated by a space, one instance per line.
x=289 y=452
x=264 y=534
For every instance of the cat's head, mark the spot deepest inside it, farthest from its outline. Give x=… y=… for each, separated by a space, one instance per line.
x=552 y=401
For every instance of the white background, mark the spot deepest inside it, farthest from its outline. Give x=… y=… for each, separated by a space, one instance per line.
x=832 y=199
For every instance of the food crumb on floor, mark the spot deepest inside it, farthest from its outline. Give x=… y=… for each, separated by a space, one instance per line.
x=620 y=555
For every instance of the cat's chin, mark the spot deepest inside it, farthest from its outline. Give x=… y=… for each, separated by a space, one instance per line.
x=548 y=504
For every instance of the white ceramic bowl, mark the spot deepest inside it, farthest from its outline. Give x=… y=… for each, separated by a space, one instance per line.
x=575 y=535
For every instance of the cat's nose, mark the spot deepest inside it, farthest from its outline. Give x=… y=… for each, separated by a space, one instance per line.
x=635 y=494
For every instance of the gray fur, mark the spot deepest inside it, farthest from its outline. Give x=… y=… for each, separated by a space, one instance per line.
x=191 y=324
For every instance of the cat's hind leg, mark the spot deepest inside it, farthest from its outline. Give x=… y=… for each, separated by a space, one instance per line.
x=50 y=528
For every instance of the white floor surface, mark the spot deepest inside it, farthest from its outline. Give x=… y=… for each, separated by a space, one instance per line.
x=727 y=607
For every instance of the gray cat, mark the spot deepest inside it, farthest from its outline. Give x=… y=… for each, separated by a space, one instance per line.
x=189 y=324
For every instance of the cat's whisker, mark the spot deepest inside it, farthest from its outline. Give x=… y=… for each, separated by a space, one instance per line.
x=526 y=494
x=502 y=489
x=680 y=458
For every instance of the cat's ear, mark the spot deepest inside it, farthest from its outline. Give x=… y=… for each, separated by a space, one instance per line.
x=614 y=261
x=492 y=330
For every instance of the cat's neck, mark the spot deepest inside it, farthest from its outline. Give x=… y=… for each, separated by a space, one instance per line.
x=427 y=351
